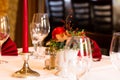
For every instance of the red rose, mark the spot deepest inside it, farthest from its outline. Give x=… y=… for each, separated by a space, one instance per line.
x=57 y=30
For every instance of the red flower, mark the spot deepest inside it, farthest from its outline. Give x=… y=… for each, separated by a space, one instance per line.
x=57 y=30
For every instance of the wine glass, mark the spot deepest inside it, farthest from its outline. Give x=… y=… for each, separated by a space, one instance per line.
x=4 y=32
x=34 y=30
x=84 y=57
x=77 y=58
x=115 y=50
x=39 y=29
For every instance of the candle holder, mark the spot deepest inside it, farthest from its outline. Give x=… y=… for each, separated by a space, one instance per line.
x=25 y=71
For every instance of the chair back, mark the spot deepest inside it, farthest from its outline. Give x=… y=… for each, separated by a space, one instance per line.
x=82 y=13
x=102 y=16
x=56 y=11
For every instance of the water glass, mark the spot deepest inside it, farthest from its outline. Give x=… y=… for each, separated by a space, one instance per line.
x=115 y=50
x=77 y=58
x=4 y=32
x=39 y=29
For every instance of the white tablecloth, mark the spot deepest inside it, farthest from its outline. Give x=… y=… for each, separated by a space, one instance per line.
x=101 y=70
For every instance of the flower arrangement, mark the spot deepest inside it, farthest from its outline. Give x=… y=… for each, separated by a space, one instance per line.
x=60 y=36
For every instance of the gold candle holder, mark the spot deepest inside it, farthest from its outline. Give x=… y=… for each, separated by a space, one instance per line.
x=25 y=72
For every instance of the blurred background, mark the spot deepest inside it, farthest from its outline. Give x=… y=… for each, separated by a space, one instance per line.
x=14 y=9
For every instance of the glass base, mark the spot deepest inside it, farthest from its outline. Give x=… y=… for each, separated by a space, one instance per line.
x=24 y=73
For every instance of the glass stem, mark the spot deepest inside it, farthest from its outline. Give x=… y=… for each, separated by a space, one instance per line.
x=40 y=44
x=35 y=47
x=36 y=50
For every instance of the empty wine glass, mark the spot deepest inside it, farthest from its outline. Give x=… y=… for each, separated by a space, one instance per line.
x=34 y=30
x=84 y=57
x=115 y=50
x=77 y=58
x=4 y=32
x=39 y=29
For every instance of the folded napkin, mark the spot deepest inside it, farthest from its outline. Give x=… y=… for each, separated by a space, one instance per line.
x=9 y=48
x=96 y=52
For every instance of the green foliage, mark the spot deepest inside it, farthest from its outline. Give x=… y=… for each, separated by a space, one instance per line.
x=77 y=33
x=56 y=45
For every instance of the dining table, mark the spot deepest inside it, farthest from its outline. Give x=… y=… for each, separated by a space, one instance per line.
x=100 y=70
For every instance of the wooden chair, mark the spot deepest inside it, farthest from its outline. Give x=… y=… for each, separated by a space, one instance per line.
x=82 y=14
x=102 y=16
x=102 y=21
x=102 y=40
x=56 y=11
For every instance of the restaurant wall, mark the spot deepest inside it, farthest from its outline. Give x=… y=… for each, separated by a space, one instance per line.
x=14 y=9
x=9 y=7
x=32 y=8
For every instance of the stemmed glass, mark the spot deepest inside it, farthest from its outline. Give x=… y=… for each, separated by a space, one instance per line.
x=77 y=58
x=39 y=29
x=4 y=32
x=84 y=60
x=115 y=50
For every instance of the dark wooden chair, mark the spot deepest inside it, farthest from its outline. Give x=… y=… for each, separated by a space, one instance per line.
x=102 y=40
x=56 y=11
x=102 y=16
x=82 y=14
x=102 y=21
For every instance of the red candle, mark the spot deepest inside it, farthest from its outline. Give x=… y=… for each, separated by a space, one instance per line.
x=25 y=26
